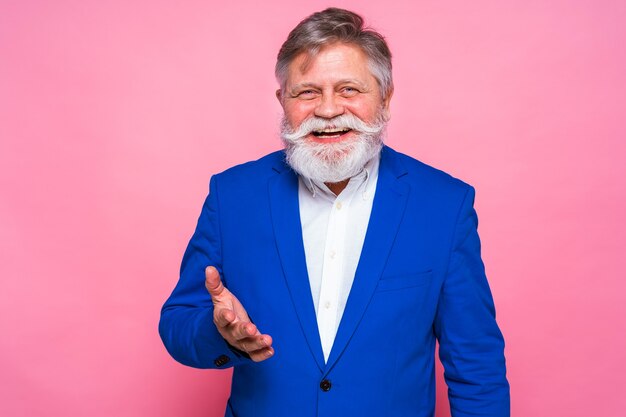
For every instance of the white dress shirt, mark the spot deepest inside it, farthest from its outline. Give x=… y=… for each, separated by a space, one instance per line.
x=333 y=231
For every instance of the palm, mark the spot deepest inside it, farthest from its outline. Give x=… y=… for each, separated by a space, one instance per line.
x=232 y=320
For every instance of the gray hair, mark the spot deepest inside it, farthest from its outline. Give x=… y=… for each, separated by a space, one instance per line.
x=331 y=26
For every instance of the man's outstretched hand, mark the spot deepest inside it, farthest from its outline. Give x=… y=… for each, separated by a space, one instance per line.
x=232 y=320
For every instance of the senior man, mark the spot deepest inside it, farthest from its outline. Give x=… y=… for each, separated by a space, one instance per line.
x=326 y=272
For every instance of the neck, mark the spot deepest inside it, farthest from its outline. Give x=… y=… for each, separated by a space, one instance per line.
x=337 y=187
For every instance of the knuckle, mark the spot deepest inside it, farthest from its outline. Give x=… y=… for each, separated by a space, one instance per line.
x=244 y=331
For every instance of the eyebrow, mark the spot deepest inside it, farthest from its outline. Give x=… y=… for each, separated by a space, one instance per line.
x=313 y=85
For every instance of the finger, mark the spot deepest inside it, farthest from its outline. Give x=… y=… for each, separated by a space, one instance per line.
x=213 y=282
x=224 y=317
x=243 y=330
x=254 y=343
x=262 y=354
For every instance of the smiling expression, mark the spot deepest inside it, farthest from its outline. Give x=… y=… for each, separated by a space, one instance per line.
x=336 y=81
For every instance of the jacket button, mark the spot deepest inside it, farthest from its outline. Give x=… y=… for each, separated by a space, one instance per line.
x=325 y=385
x=221 y=361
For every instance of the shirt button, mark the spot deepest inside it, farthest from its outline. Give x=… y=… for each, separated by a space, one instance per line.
x=327 y=304
x=325 y=385
x=332 y=254
x=339 y=205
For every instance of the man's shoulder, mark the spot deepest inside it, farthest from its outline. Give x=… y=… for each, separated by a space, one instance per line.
x=424 y=175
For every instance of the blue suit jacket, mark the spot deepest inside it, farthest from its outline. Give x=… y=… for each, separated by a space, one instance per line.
x=420 y=279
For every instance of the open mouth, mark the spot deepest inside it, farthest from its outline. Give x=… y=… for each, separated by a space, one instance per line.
x=330 y=133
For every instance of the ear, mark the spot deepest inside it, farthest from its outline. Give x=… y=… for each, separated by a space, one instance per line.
x=279 y=96
x=385 y=105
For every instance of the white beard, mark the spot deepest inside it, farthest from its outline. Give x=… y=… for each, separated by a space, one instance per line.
x=336 y=161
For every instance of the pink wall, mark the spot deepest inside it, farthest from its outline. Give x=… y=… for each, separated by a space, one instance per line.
x=114 y=114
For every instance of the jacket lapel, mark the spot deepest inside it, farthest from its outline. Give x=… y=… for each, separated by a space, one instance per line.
x=387 y=211
x=285 y=213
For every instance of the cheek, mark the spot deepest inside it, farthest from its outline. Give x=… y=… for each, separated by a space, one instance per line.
x=366 y=108
x=365 y=112
x=295 y=114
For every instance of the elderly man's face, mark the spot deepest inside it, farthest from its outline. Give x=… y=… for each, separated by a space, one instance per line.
x=334 y=82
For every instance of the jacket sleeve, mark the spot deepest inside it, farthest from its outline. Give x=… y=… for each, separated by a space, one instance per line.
x=186 y=326
x=471 y=346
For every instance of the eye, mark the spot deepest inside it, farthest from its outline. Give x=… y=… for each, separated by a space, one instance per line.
x=306 y=94
x=349 y=91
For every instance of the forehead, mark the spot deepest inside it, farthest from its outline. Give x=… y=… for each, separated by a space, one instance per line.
x=339 y=60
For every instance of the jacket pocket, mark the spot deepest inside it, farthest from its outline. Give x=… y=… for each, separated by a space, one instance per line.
x=398 y=282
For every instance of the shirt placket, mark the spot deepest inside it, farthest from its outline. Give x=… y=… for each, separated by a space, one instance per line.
x=332 y=274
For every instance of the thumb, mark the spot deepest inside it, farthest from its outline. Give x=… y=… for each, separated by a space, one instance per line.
x=213 y=282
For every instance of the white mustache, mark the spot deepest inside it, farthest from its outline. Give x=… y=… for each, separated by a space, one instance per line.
x=344 y=121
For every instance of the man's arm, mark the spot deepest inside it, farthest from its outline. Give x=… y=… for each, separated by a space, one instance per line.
x=208 y=330
x=471 y=346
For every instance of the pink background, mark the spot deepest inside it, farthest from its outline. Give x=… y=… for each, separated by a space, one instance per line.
x=114 y=114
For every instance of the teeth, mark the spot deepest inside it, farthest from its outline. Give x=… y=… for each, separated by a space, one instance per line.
x=331 y=130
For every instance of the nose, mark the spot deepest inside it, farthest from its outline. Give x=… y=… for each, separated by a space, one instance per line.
x=328 y=106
